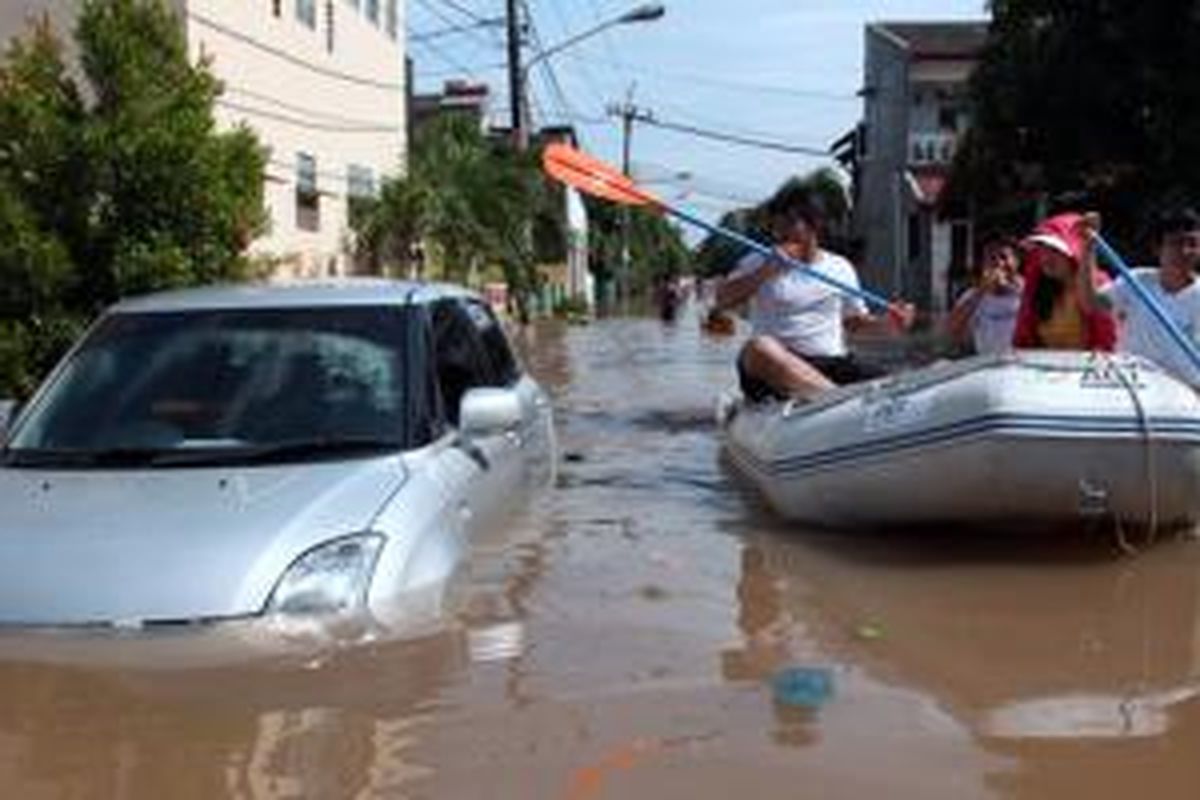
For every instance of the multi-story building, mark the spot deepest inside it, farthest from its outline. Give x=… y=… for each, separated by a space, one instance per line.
x=322 y=84
x=915 y=111
x=458 y=97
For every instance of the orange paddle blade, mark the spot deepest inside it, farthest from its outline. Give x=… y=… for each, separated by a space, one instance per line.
x=592 y=176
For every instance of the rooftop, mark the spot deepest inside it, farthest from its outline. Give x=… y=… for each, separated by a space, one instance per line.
x=937 y=40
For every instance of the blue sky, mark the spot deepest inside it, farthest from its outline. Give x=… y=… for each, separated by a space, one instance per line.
x=783 y=70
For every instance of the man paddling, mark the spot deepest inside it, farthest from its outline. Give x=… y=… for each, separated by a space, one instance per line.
x=1173 y=284
x=798 y=343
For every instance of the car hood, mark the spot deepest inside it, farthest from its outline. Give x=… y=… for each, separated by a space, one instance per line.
x=171 y=545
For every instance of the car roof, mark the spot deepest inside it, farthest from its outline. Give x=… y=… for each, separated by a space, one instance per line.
x=294 y=294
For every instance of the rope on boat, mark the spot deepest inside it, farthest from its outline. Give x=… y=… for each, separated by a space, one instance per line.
x=1151 y=469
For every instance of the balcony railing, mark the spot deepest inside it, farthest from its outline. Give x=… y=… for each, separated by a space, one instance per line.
x=931 y=148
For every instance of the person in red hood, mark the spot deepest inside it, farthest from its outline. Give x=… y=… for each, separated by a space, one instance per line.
x=1060 y=309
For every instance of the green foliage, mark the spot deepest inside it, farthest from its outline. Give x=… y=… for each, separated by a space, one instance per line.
x=467 y=197
x=473 y=200
x=114 y=181
x=656 y=246
x=1084 y=104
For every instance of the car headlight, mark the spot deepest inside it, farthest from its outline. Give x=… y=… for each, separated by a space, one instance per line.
x=331 y=578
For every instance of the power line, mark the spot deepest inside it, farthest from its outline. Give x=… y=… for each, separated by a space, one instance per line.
x=687 y=115
x=301 y=123
x=729 y=138
x=565 y=27
x=437 y=12
x=445 y=57
x=695 y=78
x=475 y=70
x=557 y=93
x=265 y=98
x=291 y=59
x=466 y=12
x=452 y=30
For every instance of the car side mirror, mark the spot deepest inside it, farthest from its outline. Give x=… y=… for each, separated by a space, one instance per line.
x=489 y=412
x=8 y=413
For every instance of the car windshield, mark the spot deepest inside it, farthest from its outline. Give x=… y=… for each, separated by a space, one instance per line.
x=224 y=386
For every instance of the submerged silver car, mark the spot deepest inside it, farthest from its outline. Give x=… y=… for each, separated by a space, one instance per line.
x=308 y=451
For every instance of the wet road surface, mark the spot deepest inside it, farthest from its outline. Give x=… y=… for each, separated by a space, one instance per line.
x=649 y=630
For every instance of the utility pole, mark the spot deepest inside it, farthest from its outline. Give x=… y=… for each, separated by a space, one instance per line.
x=516 y=82
x=629 y=113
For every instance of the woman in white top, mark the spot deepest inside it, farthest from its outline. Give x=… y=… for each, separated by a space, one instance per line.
x=798 y=347
x=986 y=314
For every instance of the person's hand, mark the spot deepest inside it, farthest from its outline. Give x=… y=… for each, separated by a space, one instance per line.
x=902 y=315
x=1087 y=226
x=991 y=280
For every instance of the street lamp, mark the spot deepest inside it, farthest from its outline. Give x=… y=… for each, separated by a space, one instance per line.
x=647 y=12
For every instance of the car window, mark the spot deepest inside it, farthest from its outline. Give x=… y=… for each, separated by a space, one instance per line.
x=504 y=370
x=227 y=379
x=462 y=359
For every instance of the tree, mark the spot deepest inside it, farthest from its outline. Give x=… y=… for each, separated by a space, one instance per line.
x=469 y=198
x=114 y=181
x=1083 y=103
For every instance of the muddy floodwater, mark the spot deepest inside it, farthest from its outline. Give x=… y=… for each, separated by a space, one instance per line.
x=649 y=630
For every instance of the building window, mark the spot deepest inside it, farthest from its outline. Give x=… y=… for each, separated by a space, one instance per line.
x=361 y=181
x=308 y=198
x=371 y=7
x=277 y=7
x=306 y=12
x=392 y=17
x=948 y=118
x=360 y=191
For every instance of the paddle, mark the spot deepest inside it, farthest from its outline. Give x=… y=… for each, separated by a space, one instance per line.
x=592 y=176
x=1159 y=313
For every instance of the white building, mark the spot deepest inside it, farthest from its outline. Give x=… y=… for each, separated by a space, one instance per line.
x=322 y=84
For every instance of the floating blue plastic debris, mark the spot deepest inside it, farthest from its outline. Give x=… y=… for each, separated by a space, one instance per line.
x=805 y=687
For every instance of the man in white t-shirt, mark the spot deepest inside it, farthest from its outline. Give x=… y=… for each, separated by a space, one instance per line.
x=987 y=312
x=798 y=344
x=1173 y=284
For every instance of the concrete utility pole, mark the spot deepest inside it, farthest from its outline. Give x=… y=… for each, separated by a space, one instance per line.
x=629 y=113
x=516 y=80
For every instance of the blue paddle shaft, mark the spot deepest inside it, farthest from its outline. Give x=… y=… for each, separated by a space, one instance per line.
x=874 y=299
x=1160 y=314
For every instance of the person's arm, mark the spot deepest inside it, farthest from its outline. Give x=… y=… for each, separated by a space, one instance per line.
x=959 y=323
x=897 y=319
x=1090 y=300
x=740 y=286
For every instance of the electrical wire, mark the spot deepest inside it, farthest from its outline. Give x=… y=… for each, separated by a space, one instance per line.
x=729 y=138
x=291 y=59
x=300 y=123
x=310 y=112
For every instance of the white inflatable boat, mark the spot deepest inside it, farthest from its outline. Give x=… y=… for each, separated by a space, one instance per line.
x=1034 y=436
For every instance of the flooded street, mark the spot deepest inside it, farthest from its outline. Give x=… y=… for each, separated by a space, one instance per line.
x=632 y=635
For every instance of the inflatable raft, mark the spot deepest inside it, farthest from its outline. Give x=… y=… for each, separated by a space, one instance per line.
x=1028 y=437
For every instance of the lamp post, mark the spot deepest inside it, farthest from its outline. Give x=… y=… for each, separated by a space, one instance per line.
x=519 y=73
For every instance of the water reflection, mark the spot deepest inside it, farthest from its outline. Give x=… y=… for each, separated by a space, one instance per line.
x=624 y=638
x=1092 y=647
